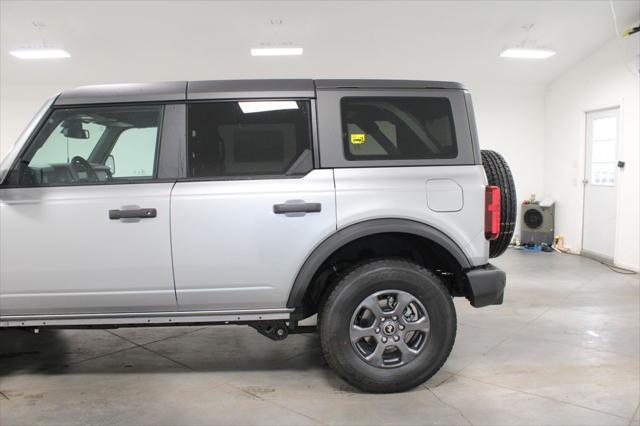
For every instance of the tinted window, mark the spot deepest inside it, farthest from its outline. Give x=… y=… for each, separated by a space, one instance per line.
x=92 y=145
x=377 y=128
x=249 y=138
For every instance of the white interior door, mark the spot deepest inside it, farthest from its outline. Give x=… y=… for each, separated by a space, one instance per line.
x=600 y=182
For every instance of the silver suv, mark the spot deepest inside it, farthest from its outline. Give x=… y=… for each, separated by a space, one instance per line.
x=260 y=202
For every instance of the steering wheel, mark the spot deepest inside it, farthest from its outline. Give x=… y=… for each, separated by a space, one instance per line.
x=79 y=164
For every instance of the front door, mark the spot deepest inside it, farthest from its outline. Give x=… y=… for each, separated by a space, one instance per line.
x=252 y=208
x=84 y=224
x=600 y=182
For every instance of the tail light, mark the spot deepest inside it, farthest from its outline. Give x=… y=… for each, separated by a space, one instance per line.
x=492 y=212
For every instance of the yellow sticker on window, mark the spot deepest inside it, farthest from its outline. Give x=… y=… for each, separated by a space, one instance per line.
x=357 y=138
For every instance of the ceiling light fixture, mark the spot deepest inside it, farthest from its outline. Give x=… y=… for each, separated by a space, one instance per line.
x=522 y=52
x=263 y=106
x=40 y=53
x=527 y=49
x=277 y=51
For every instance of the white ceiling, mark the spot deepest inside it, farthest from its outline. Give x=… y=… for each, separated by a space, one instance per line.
x=149 y=41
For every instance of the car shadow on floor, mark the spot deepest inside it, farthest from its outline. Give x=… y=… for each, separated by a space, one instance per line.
x=213 y=349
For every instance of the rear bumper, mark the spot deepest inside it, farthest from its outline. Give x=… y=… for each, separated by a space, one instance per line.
x=486 y=285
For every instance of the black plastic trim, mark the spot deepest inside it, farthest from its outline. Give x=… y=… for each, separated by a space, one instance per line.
x=486 y=285
x=133 y=214
x=173 y=156
x=363 y=229
x=297 y=208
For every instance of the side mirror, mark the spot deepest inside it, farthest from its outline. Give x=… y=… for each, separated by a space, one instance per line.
x=111 y=163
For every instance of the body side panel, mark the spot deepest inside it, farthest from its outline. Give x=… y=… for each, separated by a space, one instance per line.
x=231 y=251
x=401 y=192
x=60 y=252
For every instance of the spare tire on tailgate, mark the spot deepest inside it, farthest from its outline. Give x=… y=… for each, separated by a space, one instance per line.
x=499 y=174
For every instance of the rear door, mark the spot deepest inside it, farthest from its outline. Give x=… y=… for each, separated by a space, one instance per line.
x=84 y=220
x=252 y=207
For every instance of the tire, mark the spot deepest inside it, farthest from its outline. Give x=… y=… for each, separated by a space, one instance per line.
x=499 y=174
x=425 y=351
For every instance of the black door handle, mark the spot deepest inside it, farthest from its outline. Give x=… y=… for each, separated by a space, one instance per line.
x=297 y=208
x=132 y=214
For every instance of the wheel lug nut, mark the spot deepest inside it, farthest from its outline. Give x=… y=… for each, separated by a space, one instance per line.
x=383 y=319
x=396 y=338
x=401 y=327
x=384 y=340
x=395 y=318
x=377 y=330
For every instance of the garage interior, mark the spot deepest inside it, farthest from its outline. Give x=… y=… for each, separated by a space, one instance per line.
x=564 y=348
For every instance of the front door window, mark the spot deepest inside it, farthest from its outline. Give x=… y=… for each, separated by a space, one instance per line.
x=92 y=145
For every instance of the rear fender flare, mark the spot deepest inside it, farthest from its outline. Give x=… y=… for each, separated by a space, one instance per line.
x=363 y=229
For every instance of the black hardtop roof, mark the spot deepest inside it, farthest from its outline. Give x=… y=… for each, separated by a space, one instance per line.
x=227 y=89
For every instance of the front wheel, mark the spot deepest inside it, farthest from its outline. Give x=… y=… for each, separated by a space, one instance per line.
x=387 y=326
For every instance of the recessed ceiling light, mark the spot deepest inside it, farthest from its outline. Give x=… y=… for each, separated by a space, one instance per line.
x=277 y=51
x=40 y=53
x=527 y=53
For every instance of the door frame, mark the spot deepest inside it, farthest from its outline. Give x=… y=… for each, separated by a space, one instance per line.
x=582 y=169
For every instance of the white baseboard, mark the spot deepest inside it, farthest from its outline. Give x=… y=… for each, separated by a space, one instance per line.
x=624 y=265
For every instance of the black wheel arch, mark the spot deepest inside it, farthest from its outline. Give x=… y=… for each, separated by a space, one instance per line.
x=344 y=236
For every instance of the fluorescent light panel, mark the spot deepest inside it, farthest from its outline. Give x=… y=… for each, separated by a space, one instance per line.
x=262 y=106
x=527 y=53
x=277 y=51
x=42 y=53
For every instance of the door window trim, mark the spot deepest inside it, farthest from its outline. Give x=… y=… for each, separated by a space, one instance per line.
x=158 y=152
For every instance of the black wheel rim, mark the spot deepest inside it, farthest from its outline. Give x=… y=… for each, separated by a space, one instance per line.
x=389 y=329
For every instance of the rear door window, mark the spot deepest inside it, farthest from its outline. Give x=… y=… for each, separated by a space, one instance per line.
x=394 y=128
x=249 y=138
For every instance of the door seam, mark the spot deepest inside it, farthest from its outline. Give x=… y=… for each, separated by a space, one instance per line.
x=173 y=270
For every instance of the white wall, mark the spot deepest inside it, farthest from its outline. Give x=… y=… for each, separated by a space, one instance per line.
x=607 y=78
x=18 y=105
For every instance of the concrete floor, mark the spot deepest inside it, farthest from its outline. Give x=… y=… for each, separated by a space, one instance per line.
x=564 y=349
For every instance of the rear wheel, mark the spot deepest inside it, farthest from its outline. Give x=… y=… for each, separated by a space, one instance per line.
x=499 y=174
x=387 y=326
